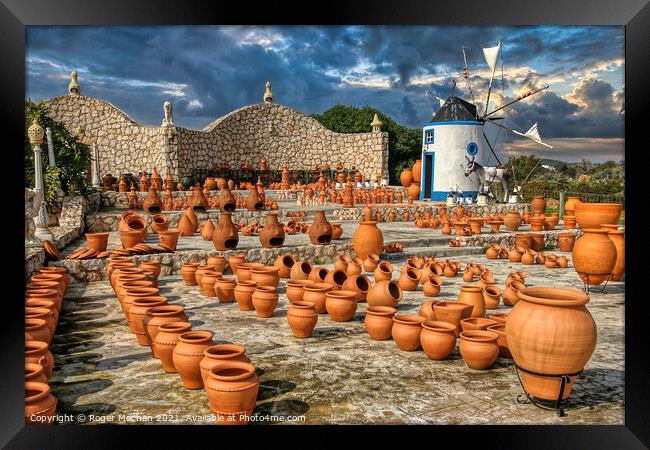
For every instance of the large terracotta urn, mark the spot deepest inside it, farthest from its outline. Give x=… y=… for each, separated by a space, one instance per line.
x=320 y=231
x=593 y=215
x=618 y=238
x=594 y=256
x=550 y=331
x=414 y=191
x=538 y=205
x=368 y=239
x=406 y=177
x=272 y=233
x=225 y=236
x=417 y=171
x=570 y=205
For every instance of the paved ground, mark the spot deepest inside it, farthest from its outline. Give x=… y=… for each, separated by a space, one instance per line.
x=339 y=376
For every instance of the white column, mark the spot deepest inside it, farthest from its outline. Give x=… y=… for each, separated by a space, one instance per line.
x=40 y=220
x=96 y=180
x=50 y=147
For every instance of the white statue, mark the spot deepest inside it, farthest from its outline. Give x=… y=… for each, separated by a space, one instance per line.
x=168 y=121
x=33 y=201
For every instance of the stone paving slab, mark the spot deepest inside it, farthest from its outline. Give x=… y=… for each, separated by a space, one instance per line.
x=338 y=376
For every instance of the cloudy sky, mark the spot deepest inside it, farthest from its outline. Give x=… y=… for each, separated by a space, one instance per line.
x=208 y=71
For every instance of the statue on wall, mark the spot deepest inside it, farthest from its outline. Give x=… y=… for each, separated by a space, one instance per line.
x=168 y=121
x=73 y=87
x=33 y=201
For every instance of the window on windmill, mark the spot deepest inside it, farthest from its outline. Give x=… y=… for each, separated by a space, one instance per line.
x=472 y=148
x=428 y=137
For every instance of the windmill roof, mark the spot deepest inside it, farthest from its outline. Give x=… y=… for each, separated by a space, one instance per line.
x=454 y=109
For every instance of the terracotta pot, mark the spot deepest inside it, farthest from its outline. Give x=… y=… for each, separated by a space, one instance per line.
x=527 y=259
x=225 y=235
x=265 y=300
x=318 y=274
x=37 y=330
x=379 y=322
x=337 y=231
x=537 y=241
x=452 y=312
x=406 y=177
x=45 y=294
x=137 y=314
x=97 y=241
x=234 y=260
x=43 y=314
x=169 y=238
x=185 y=226
x=272 y=234
x=499 y=317
x=60 y=270
x=354 y=267
x=593 y=215
x=320 y=231
x=244 y=270
x=492 y=296
x=35 y=373
x=438 y=339
x=417 y=171
x=473 y=295
x=360 y=284
x=130 y=293
x=207 y=230
x=336 y=278
x=618 y=238
x=550 y=331
x=208 y=282
x=232 y=389
x=409 y=280
x=302 y=318
x=316 y=293
x=538 y=205
x=368 y=239
x=135 y=222
x=152 y=203
x=46 y=304
x=511 y=221
x=426 y=309
x=479 y=349
x=594 y=255
x=187 y=356
x=243 y=293
x=406 y=331
x=562 y=262
x=565 y=241
x=158 y=315
x=165 y=341
x=300 y=271
x=383 y=272
x=514 y=255
x=130 y=238
x=40 y=404
x=476 y=323
x=569 y=222
x=524 y=240
x=294 y=290
x=218 y=263
x=225 y=290
x=254 y=201
x=502 y=341
x=570 y=205
x=37 y=352
x=266 y=276
x=284 y=263
x=227 y=202
x=341 y=305
x=384 y=293
x=218 y=354
x=510 y=297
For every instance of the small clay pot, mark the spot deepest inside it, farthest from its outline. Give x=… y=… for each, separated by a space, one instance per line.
x=97 y=241
x=360 y=284
x=266 y=276
x=499 y=317
x=340 y=305
x=432 y=286
x=510 y=297
x=384 y=293
x=188 y=271
x=426 y=309
x=294 y=290
x=158 y=315
x=165 y=341
x=318 y=274
x=284 y=263
x=218 y=354
x=40 y=404
x=473 y=295
x=383 y=272
x=35 y=372
x=187 y=356
x=243 y=293
x=169 y=238
x=492 y=296
x=234 y=260
x=37 y=330
x=159 y=223
x=208 y=281
x=232 y=389
x=371 y=262
x=566 y=241
x=302 y=318
x=137 y=314
x=38 y=352
x=218 y=263
x=438 y=339
x=476 y=323
x=355 y=267
x=265 y=300
x=224 y=289
x=300 y=271
x=409 y=280
x=406 y=331
x=315 y=293
x=379 y=322
x=336 y=278
x=479 y=349
x=244 y=270
x=452 y=312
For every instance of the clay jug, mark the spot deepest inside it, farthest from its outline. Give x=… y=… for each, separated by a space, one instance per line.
x=272 y=234
x=594 y=256
x=227 y=201
x=371 y=262
x=302 y=318
x=165 y=341
x=337 y=231
x=152 y=204
x=232 y=389
x=158 y=315
x=265 y=276
x=300 y=271
x=383 y=272
x=234 y=260
x=187 y=356
x=225 y=235
x=320 y=231
x=368 y=239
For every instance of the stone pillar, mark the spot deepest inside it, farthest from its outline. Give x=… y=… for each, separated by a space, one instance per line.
x=36 y=134
x=96 y=181
x=50 y=147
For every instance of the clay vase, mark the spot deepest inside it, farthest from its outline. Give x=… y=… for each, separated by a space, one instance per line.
x=511 y=221
x=158 y=315
x=97 y=241
x=320 y=231
x=618 y=238
x=272 y=234
x=409 y=280
x=417 y=171
x=384 y=293
x=473 y=295
x=510 y=297
x=452 y=312
x=340 y=305
x=284 y=264
x=207 y=230
x=502 y=341
x=479 y=349
x=594 y=255
x=315 y=293
x=300 y=271
x=165 y=341
x=593 y=215
x=243 y=294
x=218 y=354
x=371 y=262
x=266 y=276
x=336 y=278
x=254 y=201
x=40 y=404
x=438 y=339
x=37 y=352
x=234 y=260
x=169 y=238
x=187 y=356
x=538 y=205
x=379 y=322
x=368 y=239
x=294 y=290
x=225 y=235
x=565 y=241
x=265 y=300
x=413 y=191
x=225 y=290
x=232 y=389
x=359 y=284
x=318 y=274
x=550 y=331
x=355 y=266
x=383 y=272
x=227 y=202
x=159 y=223
x=570 y=205
x=406 y=177
x=406 y=331
x=302 y=318
x=137 y=314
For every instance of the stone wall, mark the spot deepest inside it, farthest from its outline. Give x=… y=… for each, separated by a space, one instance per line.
x=262 y=131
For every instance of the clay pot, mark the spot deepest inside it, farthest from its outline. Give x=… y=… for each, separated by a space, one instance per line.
x=336 y=278
x=550 y=331
x=225 y=235
x=438 y=339
x=316 y=293
x=502 y=341
x=524 y=240
x=514 y=255
x=227 y=202
x=360 y=284
x=158 y=315
x=234 y=260
x=538 y=205
x=371 y=262
x=272 y=234
x=265 y=276
x=341 y=305
x=492 y=252
x=151 y=266
x=492 y=296
x=354 y=267
x=59 y=270
x=43 y=314
x=254 y=201
x=511 y=221
x=337 y=231
x=284 y=264
x=294 y=290
x=35 y=373
x=499 y=317
x=565 y=241
x=302 y=318
x=300 y=270
x=569 y=205
x=479 y=349
x=476 y=323
x=186 y=226
x=569 y=222
x=368 y=239
x=406 y=177
x=265 y=300
x=134 y=222
x=537 y=241
x=473 y=295
x=417 y=171
x=40 y=404
x=232 y=389
x=618 y=238
x=452 y=312
x=169 y=238
x=593 y=215
x=218 y=354
x=406 y=331
x=37 y=330
x=510 y=297
x=44 y=304
x=562 y=262
x=208 y=281
x=409 y=280
x=130 y=238
x=318 y=274
x=426 y=309
x=383 y=272
x=218 y=263
x=37 y=352
x=165 y=341
x=594 y=255
x=379 y=322
x=384 y=293
x=413 y=191
x=207 y=230
x=187 y=356
x=528 y=258
x=320 y=231
x=152 y=203
x=137 y=314
x=97 y=241
x=243 y=294
x=225 y=290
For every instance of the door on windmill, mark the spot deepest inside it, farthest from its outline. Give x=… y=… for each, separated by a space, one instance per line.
x=427 y=180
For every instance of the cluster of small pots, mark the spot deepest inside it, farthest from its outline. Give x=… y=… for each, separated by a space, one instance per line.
x=43 y=300
x=224 y=371
x=527 y=256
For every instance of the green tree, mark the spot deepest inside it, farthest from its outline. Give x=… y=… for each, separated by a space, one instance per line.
x=525 y=166
x=72 y=157
x=404 y=144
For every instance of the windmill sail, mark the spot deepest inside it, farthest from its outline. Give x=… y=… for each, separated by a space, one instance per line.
x=491 y=55
x=442 y=101
x=533 y=135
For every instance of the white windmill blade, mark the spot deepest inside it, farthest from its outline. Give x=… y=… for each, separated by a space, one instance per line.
x=533 y=135
x=491 y=55
x=441 y=100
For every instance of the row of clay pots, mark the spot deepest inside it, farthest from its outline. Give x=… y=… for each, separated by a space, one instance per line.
x=527 y=256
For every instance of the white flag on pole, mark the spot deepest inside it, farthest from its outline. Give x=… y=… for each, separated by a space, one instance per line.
x=491 y=55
